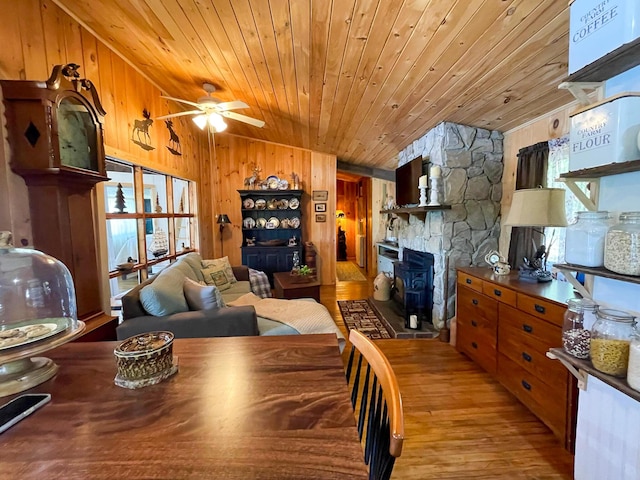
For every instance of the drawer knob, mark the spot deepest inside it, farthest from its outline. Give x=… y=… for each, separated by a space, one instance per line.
x=527 y=328
x=474 y=323
x=497 y=292
x=474 y=345
x=526 y=385
x=539 y=308
x=468 y=280
x=526 y=356
x=474 y=301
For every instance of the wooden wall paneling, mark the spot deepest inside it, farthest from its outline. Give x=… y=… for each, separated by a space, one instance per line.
x=12 y=58
x=301 y=39
x=323 y=168
x=29 y=17
x=552 y=125
x=366 y=184
x=53 y=34
x=107 y=95
x=205 y=194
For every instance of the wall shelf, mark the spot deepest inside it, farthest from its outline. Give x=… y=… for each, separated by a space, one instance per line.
x=621 y=59
x=603 y=171
x=619 y=384
x=417 y=211
x=598 y=271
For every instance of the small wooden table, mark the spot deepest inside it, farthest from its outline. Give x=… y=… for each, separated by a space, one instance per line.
x=239 y=408
x=286 y=287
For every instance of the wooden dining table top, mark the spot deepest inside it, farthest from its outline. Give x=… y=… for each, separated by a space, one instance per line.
x=238 y=408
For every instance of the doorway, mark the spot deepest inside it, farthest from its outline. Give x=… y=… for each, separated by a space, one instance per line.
x=352 y=219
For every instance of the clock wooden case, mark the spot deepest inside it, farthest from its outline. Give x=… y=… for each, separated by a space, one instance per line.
x=56 y=137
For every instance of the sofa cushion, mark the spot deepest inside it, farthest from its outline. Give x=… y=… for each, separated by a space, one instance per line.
x=221 y=262
x=202 y=297
x=237 y=290
x=217 y=275
x=164 y=296
x=194 y=260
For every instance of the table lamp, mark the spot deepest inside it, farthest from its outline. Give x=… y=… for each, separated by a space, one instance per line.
x=223 y=220
x=537 y=207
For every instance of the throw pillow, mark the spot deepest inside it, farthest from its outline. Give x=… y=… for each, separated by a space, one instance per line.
x=164 y=296
x=217 y=276
x=224 y=263
x=202 y=297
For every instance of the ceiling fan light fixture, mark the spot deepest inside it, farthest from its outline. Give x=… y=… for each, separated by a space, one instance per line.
x=200 y=121
x=217 y=122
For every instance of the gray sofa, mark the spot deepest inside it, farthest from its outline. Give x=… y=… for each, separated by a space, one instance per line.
x=215 y=322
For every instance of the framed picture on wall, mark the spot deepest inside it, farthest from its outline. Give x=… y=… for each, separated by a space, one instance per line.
x=321 y=207
x=321 y=218
x=320 y=195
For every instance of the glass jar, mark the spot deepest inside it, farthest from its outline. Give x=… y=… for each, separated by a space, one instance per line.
x=576 y=337
x=584 y=244
x=633 y=372
x=622 y=246
x=610 y=339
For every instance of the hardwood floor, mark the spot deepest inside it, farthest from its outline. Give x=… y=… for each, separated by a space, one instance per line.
x=459 y=422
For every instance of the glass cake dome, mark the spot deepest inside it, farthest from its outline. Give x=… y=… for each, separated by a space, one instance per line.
x=37 y=312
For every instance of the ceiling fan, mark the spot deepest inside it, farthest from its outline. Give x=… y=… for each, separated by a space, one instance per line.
x=210 y=111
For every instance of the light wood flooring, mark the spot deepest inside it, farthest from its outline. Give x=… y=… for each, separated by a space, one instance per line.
x=460 y=423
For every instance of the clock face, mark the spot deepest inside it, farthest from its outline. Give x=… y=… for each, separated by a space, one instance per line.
x=77 y=135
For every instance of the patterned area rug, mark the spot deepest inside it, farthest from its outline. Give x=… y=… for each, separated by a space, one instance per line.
x=358 y=314
x=349 y=272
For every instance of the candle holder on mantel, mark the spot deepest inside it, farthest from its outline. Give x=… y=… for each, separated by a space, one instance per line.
x=423 y=196
x=434 y=200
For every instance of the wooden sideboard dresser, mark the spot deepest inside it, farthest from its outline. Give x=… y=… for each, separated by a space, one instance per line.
x=507 y=326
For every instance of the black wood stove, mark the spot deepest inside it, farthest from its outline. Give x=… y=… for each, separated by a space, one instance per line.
x=413 y=286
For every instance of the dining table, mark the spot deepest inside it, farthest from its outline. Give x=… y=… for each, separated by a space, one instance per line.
x=265 y=407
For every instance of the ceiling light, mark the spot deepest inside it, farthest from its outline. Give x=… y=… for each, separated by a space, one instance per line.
x=200 y=121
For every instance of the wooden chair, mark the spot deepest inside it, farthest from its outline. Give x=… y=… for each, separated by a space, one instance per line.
x=376 y=399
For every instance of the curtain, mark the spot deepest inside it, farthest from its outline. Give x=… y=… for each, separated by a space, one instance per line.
x=531 y=173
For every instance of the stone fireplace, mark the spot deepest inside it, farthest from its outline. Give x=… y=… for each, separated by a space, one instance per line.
x=472 y=164
x=413 y=284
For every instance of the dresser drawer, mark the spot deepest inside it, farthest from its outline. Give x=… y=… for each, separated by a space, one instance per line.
x=469 y=319
x=478 y=347
x=470 y=300
x=498 y=292
x=470 y=282
x=540 y=308
x=528 y=346
x=535 y=395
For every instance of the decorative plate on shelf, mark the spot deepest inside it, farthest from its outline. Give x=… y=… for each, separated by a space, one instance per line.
x=248 y=203
x=273 y=182
x=261 y=204
x=261 y=222
x=273 y=222
x=284 y=223
x=249 y=222
x=294 y=222
x=32 y=332
x=283 y=204
x=294 y=203
x=272 y=204
x=283 y=184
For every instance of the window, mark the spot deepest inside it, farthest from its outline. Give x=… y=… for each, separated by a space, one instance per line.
x=150 y=222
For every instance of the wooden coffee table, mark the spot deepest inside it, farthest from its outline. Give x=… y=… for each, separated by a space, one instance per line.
x=286 y=287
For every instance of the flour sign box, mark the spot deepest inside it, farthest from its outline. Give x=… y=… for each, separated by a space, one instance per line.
x=606 y=132
x=598 y=27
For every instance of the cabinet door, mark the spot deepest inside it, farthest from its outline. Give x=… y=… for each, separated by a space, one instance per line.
x=271 y=260
x=252 y=259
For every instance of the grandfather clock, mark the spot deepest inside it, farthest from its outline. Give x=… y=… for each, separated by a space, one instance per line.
x=55 y=132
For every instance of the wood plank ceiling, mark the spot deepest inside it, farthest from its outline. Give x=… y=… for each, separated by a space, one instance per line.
x=360 y=79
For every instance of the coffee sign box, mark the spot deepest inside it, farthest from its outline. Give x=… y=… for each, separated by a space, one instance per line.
x=597 y=27
x=605 y=132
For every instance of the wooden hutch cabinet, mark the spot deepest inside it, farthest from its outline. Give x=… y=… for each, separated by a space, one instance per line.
x=271 y=229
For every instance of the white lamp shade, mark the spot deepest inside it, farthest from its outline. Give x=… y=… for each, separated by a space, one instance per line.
x=200 y=121
x=537 y=207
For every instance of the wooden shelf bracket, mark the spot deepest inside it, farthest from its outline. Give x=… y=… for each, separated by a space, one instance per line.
x=578 y=90
x=580 y=374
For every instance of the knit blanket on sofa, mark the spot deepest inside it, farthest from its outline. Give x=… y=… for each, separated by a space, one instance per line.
x=302 y=315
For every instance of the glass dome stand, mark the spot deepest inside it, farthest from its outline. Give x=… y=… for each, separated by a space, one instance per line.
x=21 y=370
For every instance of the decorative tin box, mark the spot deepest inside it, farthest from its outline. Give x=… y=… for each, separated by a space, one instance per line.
x=606 y=132
x=597 y=27
x=145 y=359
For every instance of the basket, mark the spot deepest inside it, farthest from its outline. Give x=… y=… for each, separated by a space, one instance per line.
x=145 y=356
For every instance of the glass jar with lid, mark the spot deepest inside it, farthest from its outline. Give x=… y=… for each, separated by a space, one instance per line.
x=610 y=339
x=622 y=245
x=576 y=337
x=633 y=372
x=584 y=244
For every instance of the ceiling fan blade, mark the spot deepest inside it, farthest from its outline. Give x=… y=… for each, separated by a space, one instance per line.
x=179 y=114
x=193 y=104
x=243 y=118
x=234 y=105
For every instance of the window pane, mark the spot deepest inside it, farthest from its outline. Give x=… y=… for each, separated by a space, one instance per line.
x=123 y=202
x=180 y=196
x=122 y=242
x=158 y=241
x=123 y=283
x=155 y=192
x=154 y=270
x=183 y=233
